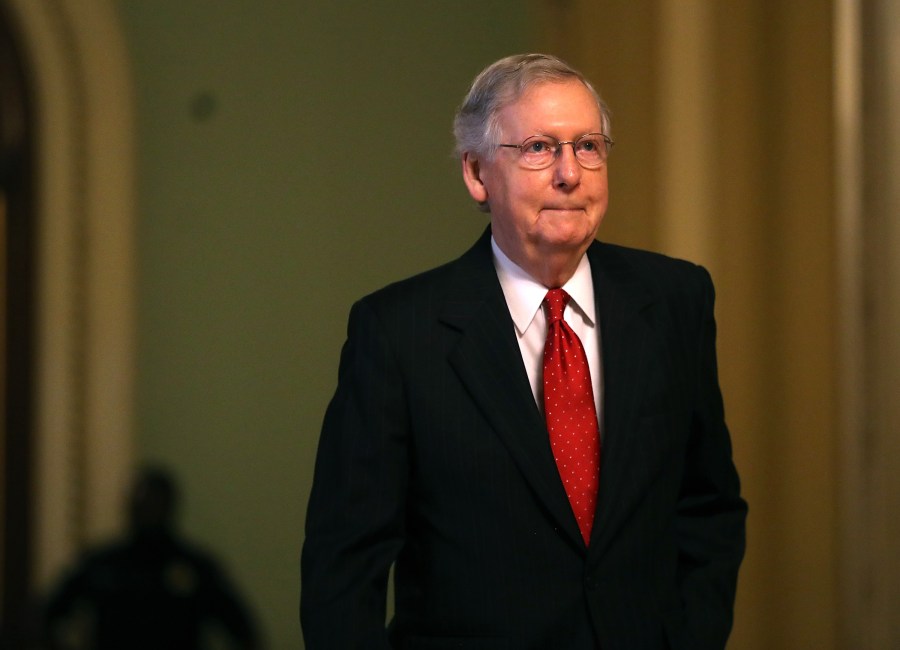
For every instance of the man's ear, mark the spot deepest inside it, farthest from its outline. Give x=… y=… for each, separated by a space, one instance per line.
x=471 y=169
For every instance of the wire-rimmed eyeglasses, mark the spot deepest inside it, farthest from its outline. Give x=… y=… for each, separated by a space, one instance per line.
x=540 y=151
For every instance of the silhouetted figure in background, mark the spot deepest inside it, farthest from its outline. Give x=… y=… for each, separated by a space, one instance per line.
x=150 y=590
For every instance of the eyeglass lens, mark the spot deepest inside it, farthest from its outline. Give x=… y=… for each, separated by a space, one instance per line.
x=540 y=150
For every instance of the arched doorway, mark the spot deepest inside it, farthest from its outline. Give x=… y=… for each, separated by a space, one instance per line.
x=73 y=323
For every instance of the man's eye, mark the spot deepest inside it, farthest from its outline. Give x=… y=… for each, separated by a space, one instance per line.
x=588 y=145
x=538 y=146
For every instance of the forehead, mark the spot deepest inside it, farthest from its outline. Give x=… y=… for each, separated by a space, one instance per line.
x=564 y=109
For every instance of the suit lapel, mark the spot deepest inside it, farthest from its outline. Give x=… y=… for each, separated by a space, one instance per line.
x=488 y=361
x=624 y=332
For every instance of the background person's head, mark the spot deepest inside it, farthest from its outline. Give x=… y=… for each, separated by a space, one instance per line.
x=152 y=502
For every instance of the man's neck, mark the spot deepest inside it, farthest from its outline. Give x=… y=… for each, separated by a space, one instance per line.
x=554 y=268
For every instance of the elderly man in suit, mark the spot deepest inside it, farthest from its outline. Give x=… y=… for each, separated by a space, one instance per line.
x=533 y=435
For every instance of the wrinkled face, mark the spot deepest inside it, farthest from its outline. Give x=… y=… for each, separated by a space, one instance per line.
x=549 y=213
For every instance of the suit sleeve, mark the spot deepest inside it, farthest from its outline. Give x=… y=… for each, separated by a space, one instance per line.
x=355 y=523
x=711 y=512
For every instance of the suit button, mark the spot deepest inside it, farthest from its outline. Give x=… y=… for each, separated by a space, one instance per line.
x=590 y=583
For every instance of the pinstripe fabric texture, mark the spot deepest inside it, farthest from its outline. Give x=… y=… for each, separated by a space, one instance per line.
x=434 y=459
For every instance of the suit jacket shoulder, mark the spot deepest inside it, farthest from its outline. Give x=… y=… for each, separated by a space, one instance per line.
x=662 y=276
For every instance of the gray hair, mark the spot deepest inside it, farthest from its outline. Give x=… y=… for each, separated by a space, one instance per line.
x=476 y=125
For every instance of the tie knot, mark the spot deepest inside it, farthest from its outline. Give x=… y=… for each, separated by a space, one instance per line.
x=555 y=300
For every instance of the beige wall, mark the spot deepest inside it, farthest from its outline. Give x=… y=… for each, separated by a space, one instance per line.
x=724 y=126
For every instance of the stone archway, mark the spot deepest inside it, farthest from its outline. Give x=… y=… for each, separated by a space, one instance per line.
x=84 y=335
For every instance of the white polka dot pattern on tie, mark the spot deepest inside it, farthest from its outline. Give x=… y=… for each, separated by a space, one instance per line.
x=570 y=413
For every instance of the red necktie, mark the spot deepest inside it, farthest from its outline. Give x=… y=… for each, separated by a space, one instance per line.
x=570 y=412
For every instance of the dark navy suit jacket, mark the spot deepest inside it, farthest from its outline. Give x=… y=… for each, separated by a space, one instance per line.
x=434 y=457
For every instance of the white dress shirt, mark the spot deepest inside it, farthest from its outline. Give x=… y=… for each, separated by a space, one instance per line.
x=524 y=296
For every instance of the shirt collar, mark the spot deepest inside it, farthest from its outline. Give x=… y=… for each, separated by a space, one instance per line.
x=524 y=294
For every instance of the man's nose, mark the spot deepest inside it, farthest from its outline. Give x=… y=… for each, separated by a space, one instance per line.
x=567 y=169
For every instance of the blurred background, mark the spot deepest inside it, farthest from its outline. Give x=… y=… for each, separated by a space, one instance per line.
x=194 y=193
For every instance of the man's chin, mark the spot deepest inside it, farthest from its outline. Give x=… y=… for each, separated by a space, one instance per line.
x=561 y=240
